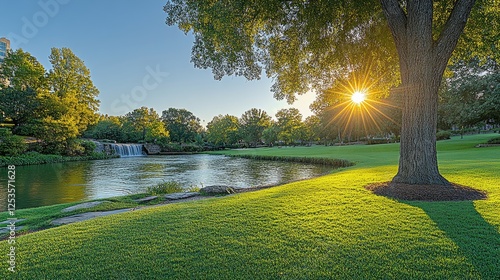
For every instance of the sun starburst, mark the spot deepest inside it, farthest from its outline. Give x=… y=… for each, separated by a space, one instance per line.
x=358 y=97
x=359 y=108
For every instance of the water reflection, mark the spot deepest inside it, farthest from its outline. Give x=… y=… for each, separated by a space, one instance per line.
x=48 y=184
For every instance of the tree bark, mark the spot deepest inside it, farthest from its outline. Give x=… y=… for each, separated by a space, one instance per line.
x=422 y=62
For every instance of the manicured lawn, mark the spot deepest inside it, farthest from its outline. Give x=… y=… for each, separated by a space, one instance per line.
x=324 y=228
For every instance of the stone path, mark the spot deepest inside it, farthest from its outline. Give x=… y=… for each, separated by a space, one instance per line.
x=146 y=199
x=7 y=229
x=181 y=195
x=86 y=216
x=83 y=205
x=8 y=221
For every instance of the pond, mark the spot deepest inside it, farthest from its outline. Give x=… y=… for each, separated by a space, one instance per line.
x=48 y=184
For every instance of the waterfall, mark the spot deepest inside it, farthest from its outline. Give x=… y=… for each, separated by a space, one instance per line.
x=128 y=150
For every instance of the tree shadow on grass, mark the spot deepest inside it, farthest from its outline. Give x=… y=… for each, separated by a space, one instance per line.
x=477 y=239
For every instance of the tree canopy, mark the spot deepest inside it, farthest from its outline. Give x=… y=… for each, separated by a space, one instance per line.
x=290 y=126
x=22 y=71
x=223 y=130
x=69 y=79
x=144 y=124
x=252 y=123
x=182 y=124
x=309 y=44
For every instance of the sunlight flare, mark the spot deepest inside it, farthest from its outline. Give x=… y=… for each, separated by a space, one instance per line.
x=358 y=97
x=360 y=106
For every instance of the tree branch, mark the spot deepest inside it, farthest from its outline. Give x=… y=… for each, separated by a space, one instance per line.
x=448 y=38
x=397 y=21
x=396 y=18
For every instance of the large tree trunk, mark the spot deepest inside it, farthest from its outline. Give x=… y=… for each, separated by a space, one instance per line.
x=418 y=157
x=422 y=61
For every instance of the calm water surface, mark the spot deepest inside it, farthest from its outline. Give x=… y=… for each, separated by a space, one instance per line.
x=47 y=184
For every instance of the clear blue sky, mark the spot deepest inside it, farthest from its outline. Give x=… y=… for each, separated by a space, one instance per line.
x=135 y=59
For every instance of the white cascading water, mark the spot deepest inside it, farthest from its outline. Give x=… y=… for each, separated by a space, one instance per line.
x=128 y=150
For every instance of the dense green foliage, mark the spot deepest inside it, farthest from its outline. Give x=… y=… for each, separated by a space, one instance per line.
x=108 y=127
x=252 y=124
x=298 y=44
x=290 y=126
x=11 y=145
x=22 y=71
x=183 y=126
x=443 y=135
x=223 y=130
x=19 y=106
x=143 y=124
x=55 y=106
x=324 y=228
x=495 y=140
x=69 y=79
x=471 y=96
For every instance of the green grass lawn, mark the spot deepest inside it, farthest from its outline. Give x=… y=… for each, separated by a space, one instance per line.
x=324 y=228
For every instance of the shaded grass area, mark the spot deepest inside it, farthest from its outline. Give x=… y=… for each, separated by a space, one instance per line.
x=324 y=228
x=476 y=239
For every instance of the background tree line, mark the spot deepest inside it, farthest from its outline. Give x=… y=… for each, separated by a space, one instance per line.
x=58 y=106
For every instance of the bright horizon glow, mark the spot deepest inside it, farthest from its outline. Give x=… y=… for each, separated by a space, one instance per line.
x=358 y=97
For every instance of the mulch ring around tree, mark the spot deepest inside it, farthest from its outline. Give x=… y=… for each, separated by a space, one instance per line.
x=453 y=192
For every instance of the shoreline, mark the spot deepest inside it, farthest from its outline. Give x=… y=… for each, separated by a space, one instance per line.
x=26 y=226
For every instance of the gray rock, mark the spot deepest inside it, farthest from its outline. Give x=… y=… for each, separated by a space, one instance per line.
x=152 y=149
x=8 y=221
x=85 y=216
x=83 y=205
x=181 y=195
x=146 y=199
x=4 y=230
x=212 y=190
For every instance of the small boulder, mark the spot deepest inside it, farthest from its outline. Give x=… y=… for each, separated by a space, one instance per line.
x=181 y=195
x=214 y=190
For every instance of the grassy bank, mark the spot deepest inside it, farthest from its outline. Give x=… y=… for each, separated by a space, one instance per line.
x=32 y=158
x=324 y=228
x=333 y=162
